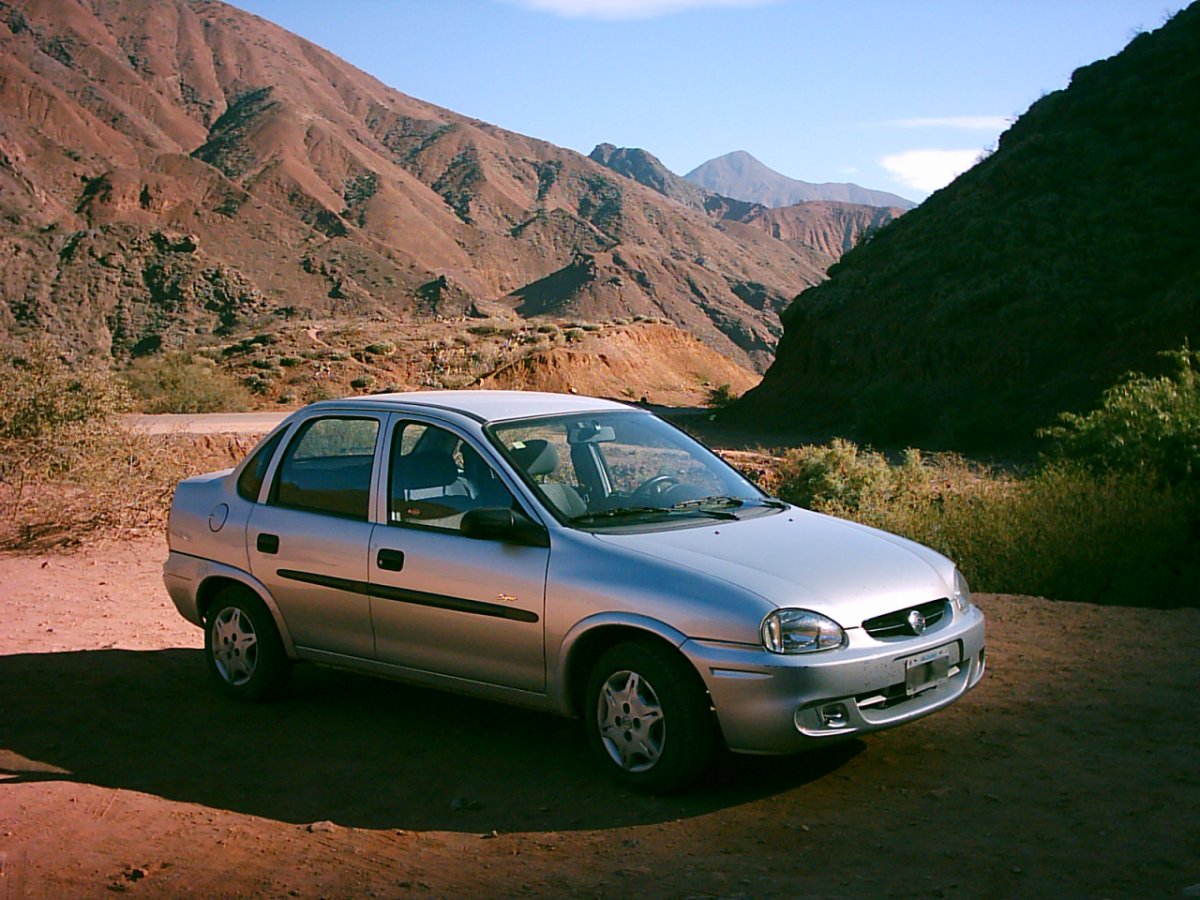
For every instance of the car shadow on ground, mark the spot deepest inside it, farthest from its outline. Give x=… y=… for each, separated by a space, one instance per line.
x=359 y=751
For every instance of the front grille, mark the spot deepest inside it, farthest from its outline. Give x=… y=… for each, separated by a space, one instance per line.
x=895 y=624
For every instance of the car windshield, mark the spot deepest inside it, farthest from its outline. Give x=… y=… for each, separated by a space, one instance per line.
x=624 y=468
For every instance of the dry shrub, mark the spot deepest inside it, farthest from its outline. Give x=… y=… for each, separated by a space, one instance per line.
x=183 y=383
x=68 y=468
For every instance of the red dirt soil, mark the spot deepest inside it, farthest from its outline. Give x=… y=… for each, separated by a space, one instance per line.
x=1071 y=770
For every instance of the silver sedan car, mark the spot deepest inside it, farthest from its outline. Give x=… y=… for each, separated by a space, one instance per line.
x=568 y=554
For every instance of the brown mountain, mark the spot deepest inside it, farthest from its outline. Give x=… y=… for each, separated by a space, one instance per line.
x=1029 y=284
x=176 y=168
x=822 y=229
x=741 y=176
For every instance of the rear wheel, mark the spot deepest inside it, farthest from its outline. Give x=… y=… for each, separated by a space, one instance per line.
x=648 y=717
x=242 y=648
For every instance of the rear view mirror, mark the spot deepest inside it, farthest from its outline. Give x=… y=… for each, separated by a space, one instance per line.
x=591 y=433
x=499 y=524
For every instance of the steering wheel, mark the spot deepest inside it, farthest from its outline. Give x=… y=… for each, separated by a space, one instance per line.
x=654 y=487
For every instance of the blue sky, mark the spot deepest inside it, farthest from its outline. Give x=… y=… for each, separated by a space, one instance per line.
x=894 y=95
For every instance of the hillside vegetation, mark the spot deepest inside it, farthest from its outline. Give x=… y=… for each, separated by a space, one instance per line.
x=1027 y=286
x=1111 y=513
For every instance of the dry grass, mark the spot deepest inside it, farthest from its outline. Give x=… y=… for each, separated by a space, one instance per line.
x=69 y=470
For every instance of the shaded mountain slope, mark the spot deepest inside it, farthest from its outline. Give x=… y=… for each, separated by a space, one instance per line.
x=315 y=187
x=1027 y=285
x=741 y=176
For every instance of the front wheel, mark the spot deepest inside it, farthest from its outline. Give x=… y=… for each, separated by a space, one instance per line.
x=648 y=717
x=242 y=648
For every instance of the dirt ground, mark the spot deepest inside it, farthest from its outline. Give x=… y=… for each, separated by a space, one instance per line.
x=1071 y=771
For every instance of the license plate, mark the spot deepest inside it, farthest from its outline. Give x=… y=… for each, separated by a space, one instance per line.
x=926 y=670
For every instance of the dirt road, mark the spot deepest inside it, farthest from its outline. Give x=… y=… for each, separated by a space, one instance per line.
x=206 y=423
x=1071 y=771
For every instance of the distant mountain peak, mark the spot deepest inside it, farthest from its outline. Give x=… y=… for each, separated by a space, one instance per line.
x=824 y=229
x=742 y=176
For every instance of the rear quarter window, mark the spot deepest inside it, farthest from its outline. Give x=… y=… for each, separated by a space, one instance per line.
x=249 y=483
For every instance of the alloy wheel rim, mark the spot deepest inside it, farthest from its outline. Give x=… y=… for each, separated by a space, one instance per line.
x=234 y=646
x=631 y=722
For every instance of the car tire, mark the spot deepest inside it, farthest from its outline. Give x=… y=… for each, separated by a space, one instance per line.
x=648 y=718
x=242 y=648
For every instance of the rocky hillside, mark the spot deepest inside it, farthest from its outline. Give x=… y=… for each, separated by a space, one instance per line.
x=651 y=361
x=646 y=168
x=824 y=230
x=741 y=176
x=171 y=169
x=1027 y=285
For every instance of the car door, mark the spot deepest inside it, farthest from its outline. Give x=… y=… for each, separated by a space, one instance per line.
x=442 y=602
x=308 y=542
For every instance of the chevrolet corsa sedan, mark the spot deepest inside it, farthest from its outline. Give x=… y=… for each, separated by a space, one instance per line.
x=572 y=555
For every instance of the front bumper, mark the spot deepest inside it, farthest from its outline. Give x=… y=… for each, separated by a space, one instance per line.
x=770 y=703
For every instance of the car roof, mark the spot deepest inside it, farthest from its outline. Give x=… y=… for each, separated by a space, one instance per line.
x=484 y=406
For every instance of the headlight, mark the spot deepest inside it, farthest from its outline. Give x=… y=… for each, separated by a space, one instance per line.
x=962 y=593
x=800 y=631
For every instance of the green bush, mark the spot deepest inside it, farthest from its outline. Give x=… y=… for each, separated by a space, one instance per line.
x=720 y=396
x=381 y=348
x=362 y=382
x=182 y=383
x=1143 y=425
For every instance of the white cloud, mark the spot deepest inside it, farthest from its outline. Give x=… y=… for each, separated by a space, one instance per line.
x=928 y=170
x=967 y=123
x=627 y=9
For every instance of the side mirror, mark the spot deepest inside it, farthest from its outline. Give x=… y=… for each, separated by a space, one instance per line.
x=493 y=523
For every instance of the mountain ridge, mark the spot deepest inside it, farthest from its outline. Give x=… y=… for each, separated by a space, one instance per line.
x=740 y=175
x=1029 y=284
x=292 y=184
x=822 y=229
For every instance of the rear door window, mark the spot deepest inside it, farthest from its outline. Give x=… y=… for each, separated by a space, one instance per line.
x=327 y=467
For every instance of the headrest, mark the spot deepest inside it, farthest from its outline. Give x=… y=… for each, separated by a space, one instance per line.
x=426 y=469
x=535 y=457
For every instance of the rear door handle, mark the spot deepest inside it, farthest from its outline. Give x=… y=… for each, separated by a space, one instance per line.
x=268 y=543
x=390 y=560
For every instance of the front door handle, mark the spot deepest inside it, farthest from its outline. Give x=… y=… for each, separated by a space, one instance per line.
x=390 y=560
x=267 y=543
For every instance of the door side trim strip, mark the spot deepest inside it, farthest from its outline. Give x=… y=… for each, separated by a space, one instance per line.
x=417 y=598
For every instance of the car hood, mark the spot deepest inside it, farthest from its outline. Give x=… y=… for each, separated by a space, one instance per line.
x=798 y=558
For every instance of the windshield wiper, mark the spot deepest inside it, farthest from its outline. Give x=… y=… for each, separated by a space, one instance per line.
x=688 y=507
x=704 y=505
x=618 y=512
